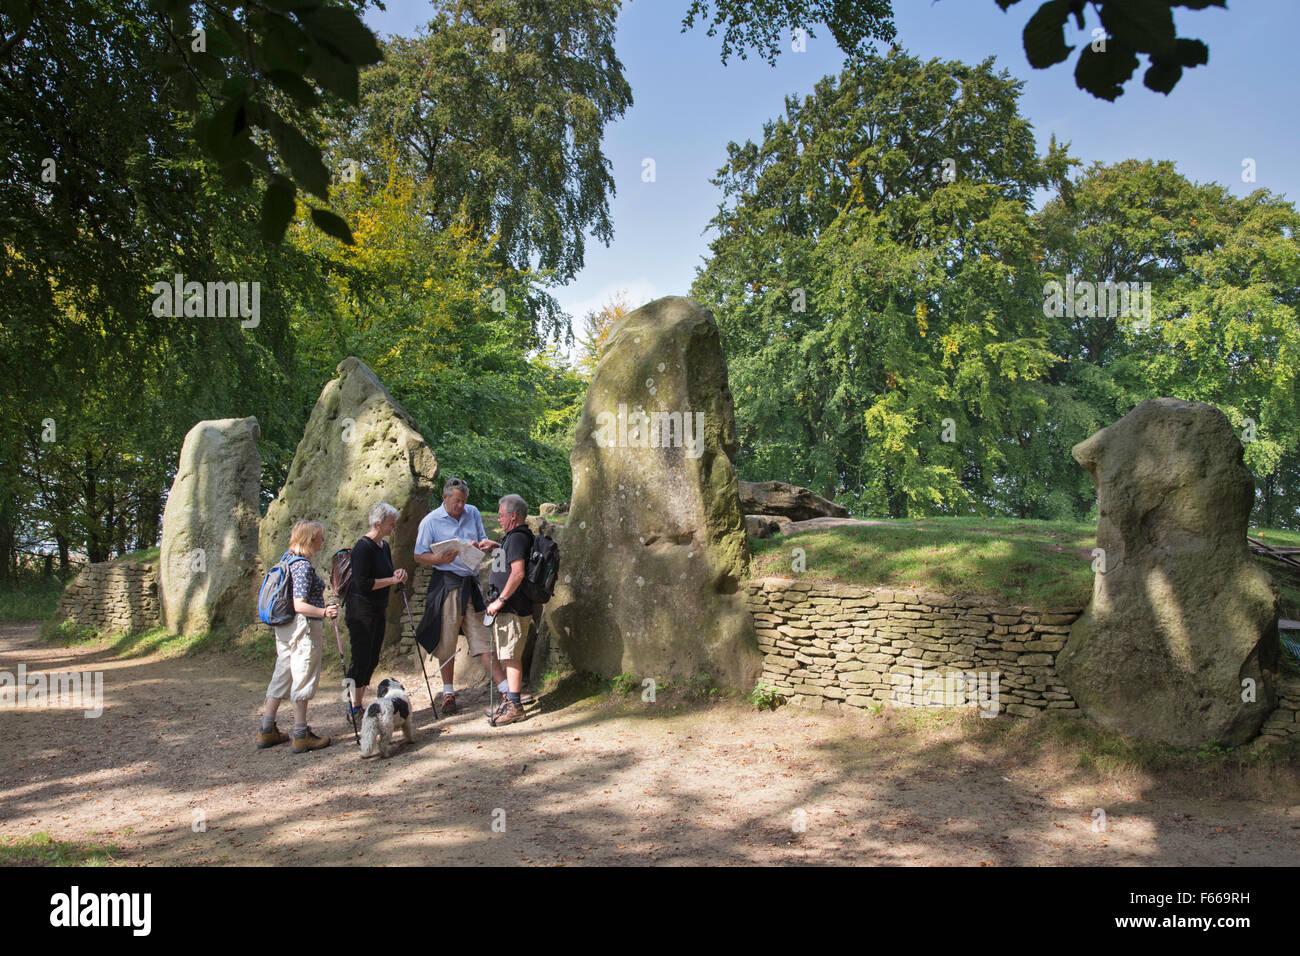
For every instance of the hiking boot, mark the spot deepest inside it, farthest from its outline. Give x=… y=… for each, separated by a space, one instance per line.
x=509 y=714
x=269 y=738
x=309 y=741
x=449 y=704
x=496 y=711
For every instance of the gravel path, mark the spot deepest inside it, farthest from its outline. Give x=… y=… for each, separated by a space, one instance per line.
x=589 y=783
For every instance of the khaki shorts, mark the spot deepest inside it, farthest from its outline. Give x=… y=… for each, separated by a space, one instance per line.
x=297 y=659
x=453 y=622
x=510 y=631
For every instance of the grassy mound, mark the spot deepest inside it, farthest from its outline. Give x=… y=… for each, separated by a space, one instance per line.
x=1035 y=563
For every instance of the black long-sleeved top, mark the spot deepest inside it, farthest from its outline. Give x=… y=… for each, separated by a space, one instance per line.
x=370 y=561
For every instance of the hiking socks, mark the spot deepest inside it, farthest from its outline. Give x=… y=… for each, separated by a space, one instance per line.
x=448 y=690
x=503 y=688
x=268 y=724
x=513 y=697
x=300 y=730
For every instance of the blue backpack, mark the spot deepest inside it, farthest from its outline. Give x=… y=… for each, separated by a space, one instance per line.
x=275 y=597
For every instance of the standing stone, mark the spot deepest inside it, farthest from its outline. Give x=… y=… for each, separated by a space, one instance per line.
x=360 y=447
x=1181 y=616
x=207 y=567
x=654 y=545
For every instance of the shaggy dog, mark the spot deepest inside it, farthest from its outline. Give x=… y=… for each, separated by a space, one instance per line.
x=390 y=711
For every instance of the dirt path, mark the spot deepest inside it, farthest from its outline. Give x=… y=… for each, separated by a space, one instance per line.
x=590 y=784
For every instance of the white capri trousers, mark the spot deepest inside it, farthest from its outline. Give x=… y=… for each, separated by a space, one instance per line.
x=297 y=659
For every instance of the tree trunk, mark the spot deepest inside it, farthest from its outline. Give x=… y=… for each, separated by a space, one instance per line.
x=64 y=566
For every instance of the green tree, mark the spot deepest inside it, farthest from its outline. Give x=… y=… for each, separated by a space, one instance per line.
x=1223 y=329
x=447 y=329
x=874 y=283
x=1106 y=63
x=501 y=105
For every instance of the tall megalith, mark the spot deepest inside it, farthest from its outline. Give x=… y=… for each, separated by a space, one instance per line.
x=1179 y=643
x=208 y=559
x=360 y=447
x=654 y=545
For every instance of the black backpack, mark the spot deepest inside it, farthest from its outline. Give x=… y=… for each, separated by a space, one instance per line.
x=541 y=568
x=341 y=573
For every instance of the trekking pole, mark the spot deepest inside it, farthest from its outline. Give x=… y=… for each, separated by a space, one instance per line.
x=419 y=651
x=351 y=716
x=492 y=684
x=492 y=676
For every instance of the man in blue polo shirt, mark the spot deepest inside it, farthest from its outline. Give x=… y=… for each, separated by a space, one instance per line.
x=455 y=602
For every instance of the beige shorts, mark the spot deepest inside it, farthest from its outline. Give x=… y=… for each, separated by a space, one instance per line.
x=510 y=631
x=297 y=659
x=477 y=634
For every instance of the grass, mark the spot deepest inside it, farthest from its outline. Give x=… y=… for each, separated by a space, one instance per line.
x=144 y=555
x=254 y=643
x=33 y=600
x=1038 y=563
x=40 y=849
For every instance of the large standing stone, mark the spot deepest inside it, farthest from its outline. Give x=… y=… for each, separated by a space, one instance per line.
x=207 y=566
x=786 y=500
x=654 y=544
x=360 y=447
x=1181 y=615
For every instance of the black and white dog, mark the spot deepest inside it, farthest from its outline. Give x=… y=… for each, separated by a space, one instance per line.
x=390 y=711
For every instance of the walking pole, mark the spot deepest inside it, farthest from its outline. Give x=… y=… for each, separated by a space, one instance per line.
x=492 y=676
x=419 y=651
x=351 y=716
x=492 y=684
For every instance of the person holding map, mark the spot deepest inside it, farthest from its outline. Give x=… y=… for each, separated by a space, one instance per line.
x=452 y=540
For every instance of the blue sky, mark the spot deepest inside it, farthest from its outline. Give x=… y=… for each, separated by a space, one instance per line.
x=687 y=106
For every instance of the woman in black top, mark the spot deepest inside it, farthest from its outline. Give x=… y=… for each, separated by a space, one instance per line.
x=367 y=604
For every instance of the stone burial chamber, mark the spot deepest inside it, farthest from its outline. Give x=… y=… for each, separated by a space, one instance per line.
x=360 y=447
x=1179 y=643
x=654 y=546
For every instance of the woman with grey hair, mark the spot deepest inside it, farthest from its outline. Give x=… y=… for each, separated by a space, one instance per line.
x=367 y=603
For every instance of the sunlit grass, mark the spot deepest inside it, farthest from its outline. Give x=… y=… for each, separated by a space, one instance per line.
x=1042 y=563
x=40 y=849
x=1039 y=563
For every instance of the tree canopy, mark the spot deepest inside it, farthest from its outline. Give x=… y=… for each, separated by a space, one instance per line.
x=881 y=282
x=1108 y=61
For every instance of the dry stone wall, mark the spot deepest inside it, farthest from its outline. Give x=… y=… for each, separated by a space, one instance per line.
x=112 y=597
x=1284 y=723
x=847 y=647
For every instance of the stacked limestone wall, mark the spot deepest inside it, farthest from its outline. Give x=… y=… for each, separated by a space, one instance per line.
x=838 y=646
x=112 y=597
x=1284 y=723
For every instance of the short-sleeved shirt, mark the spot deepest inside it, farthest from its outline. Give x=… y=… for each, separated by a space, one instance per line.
x=516 y=546
x=440 y=526
x=307 y=584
